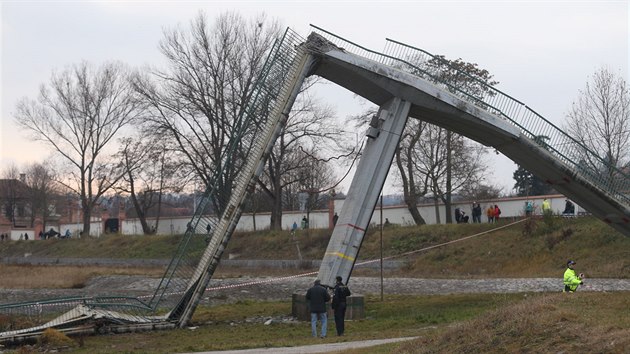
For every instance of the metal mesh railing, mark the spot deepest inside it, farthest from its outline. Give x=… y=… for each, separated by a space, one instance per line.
x=271 y=95
x=438 y=71
x=201 y=241
x=248 y=128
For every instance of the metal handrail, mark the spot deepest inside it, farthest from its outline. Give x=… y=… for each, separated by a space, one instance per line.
x=244 y=122
x=180 y=270
x=498 y=103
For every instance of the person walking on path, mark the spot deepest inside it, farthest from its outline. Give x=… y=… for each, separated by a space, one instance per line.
x=571 y=280
x=317 y=297
x=340 y=293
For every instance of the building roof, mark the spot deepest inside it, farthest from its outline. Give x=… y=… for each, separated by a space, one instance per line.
x=13 y=188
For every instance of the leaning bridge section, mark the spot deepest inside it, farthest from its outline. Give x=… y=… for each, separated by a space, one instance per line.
x=408 y=79
x=401 y=83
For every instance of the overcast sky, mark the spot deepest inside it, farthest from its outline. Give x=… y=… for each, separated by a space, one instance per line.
x=541 y=52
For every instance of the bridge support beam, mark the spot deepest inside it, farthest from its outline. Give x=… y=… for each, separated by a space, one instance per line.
x=383 y=137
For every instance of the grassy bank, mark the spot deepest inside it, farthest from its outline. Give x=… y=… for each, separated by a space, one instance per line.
x=537 y=248
x=471 y=323
x=231 y=326
x=559 y=323
x=488 y=323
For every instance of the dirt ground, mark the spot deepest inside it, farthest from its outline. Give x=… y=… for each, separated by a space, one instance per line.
x=267 y=288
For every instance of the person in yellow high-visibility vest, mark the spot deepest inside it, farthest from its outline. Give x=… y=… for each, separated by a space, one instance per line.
x=546 y=207
x=572 y=280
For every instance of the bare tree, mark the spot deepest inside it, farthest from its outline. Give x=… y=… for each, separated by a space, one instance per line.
x=415 y=183
x=196 y=101
x=11 y=193
x=600 y=120
x=433 y=159
x=44 y=191
x=427 y=164
x=315 y=179
x=79 y=113
x=472 y=83
x=456 y=166
x=482 y=192
x=150 y=171
x=309 y=129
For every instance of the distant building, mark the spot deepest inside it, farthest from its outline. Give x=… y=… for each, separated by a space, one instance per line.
x=15 y=211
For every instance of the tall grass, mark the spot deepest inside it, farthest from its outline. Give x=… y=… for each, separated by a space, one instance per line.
x=468 y=323
x=537 y=248
x=555 y=323
x=61 y=277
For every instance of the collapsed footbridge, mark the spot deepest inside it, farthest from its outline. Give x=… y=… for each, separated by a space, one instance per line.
x=403 y=86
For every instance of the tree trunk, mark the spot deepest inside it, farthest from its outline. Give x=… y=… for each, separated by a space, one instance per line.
x=409 y=191
x=447 y=204
x=276 y=211
x=86 y=221
x=437 y=211
x=415 y=214
x=146 y=229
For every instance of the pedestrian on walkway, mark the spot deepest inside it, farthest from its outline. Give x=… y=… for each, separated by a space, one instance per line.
x=340 y=293
x=571 y=280
x=317 y=297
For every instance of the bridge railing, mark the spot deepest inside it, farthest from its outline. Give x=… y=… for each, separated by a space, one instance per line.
x=16 y=317
x=434 y=69
x=170 y=294
x=248 y=127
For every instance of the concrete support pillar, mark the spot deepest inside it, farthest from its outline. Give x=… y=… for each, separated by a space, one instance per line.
x=383 y=137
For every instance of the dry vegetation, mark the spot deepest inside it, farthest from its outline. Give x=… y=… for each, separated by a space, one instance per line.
x=535 y=249
x=62 y=277
x=475 y=323
x=558 y=323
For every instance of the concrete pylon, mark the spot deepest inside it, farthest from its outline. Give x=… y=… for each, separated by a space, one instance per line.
x=383 y=137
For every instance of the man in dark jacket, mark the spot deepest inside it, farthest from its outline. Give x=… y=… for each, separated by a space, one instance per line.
x=317 y=297
x=340 y=293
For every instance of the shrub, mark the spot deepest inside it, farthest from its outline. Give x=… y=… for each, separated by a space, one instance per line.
x=529 y=227
x=54 y=338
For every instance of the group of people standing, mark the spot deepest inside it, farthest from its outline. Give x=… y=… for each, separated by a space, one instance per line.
x=569 y=208
x=7 y=237
x=318 y=296
x=493 y=212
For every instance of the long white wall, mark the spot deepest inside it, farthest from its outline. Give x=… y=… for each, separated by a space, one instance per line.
x=510 y=207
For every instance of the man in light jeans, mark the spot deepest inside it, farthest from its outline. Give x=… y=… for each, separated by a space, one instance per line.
x=317 y=297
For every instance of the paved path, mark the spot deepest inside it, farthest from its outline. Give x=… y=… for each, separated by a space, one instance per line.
x=317 y=348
